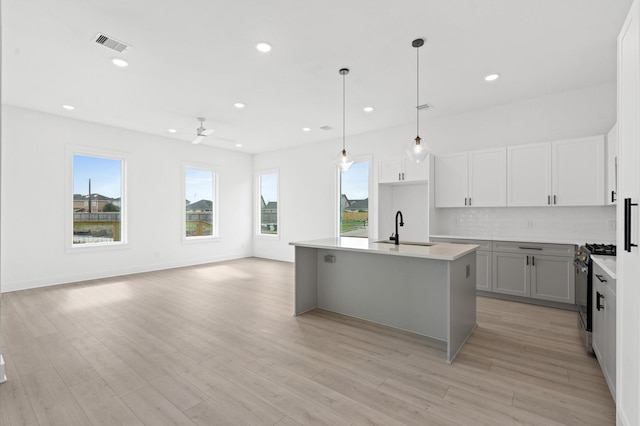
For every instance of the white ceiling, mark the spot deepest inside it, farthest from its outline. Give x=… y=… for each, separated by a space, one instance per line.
x=195 y=58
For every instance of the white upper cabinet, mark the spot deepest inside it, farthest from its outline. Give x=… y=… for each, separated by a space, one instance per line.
x=611 y=192
x=402 y=169
x=577 y=174
x=476 y=179
x=488 y=178
x=560 y=173
x=452 y=180
x=529 y=175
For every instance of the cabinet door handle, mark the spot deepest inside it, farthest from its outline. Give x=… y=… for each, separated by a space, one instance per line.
x=602 y=280
x=627 y=224
x=469 y=200
x=527 y=260
x=399 y=178
x=465 y=201
x=599 y=297
x=533 y=261
x=554 y=200
x=549 y=199
x=402 y=175
x=613 y=196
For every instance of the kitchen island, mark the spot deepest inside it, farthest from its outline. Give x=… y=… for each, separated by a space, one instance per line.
x=427 y=289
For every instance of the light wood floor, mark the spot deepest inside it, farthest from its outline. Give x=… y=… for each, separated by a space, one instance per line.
x=217 y=344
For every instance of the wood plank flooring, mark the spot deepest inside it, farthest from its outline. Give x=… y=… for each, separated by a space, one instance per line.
x=217 y=344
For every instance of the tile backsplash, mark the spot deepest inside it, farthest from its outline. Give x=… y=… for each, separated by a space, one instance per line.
x=589 y=224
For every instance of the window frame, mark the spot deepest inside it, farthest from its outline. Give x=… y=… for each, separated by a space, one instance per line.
x=372 y=206
x=215 y=235
x=258 y=194
x=123 y=157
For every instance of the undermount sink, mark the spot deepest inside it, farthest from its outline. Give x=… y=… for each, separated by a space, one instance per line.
x=406 y=243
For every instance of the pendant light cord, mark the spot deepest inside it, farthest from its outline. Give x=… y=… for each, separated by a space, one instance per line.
x=343 y=111
x=418 y=91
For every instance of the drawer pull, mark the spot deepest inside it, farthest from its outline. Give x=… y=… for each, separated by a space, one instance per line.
x=602 y=280
x=599 y=297
x=530 y=248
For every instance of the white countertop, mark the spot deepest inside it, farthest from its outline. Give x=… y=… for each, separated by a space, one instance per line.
x=437 y=251
x=607 y=263
x=517 y=239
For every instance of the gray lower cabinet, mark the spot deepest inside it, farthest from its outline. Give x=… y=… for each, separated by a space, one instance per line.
x=511 y=274
x=484 y=267
x=553 y=278
x=536 y=270
x=604 y=325
x=533 y=270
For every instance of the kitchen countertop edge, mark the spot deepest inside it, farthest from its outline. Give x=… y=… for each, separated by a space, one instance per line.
x=512 y=239
x=605 y=262
x=437 y=251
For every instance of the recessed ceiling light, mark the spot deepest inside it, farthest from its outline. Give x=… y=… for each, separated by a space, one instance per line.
x=120 y=62
x=239 y=105
x=263 y=47
x=306 y=129
x=368 y=109
x=68 y=107
x=239 y=145
x=492 y=77
x=172 y=130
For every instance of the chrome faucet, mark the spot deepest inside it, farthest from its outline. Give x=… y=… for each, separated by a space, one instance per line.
x=396 y=237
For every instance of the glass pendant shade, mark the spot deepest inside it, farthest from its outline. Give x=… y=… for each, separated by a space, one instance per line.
x=417 y=150
x=343 y=161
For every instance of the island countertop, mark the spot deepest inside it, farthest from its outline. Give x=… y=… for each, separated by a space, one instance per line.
x=437 y=251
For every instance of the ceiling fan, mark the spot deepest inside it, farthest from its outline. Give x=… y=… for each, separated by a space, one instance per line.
x=202 y=133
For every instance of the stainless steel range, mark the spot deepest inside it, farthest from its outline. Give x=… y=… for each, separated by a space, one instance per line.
x=584 y=286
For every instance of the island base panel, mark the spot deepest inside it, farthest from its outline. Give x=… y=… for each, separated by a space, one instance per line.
x=401 y=292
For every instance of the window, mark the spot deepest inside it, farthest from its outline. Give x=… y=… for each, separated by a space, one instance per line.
x=199 y=192
x=97 y=200
x=268 y=199
x=354 y=201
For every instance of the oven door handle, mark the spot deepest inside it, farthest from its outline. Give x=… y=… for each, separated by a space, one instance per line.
x=581 y=267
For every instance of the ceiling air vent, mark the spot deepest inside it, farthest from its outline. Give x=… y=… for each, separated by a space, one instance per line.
x=425 y=106
x=110 y=42
x=326 y=128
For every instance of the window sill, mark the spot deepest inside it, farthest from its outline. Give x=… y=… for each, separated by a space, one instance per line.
x=271 y=237
x=201 y=240
x=93 y=247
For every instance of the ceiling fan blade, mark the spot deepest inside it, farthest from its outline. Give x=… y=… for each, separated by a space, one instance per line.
x=198 y=139
x=207 y=132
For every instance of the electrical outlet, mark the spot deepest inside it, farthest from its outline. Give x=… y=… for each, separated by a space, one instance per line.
x=612 y=225
x=530 y=224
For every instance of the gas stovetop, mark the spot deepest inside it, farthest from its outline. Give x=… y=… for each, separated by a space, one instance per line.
x=601 y=249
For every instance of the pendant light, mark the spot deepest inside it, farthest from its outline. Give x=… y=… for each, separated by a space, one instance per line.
x=417 y=150
x=343 y=161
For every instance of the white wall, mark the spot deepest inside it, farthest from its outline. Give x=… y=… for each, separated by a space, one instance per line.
x=308 y=178
x=33 y=243
x=34 y=204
